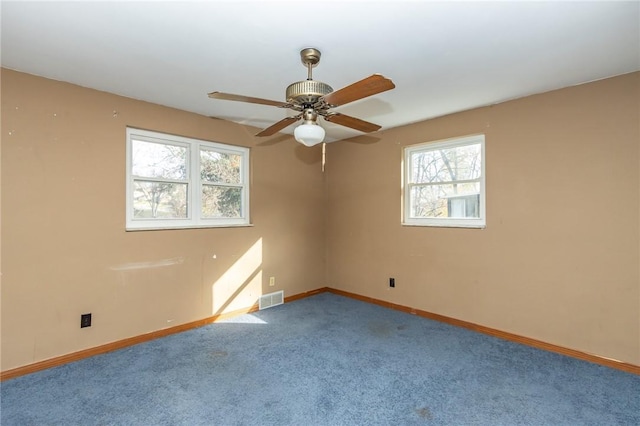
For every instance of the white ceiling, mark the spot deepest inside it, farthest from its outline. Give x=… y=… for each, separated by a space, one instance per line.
x=443 y=57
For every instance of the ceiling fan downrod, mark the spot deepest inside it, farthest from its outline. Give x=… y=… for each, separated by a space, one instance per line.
x=310 y=58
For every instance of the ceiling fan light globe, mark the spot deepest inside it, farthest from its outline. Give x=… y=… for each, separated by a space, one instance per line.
x=309 y=134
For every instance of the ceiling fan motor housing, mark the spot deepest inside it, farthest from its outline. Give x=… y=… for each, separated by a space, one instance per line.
x=307 y=92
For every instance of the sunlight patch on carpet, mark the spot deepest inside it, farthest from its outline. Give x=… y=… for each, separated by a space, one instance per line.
x=243 y=319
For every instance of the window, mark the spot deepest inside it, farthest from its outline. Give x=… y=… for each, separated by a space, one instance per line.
x=177 y=182
x=444 y=183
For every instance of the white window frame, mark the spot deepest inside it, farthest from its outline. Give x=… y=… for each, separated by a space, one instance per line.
x=479 y=222
x=194 y=189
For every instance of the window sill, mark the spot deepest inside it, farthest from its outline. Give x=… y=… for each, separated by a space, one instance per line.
x=174 y=228
x=445 y=225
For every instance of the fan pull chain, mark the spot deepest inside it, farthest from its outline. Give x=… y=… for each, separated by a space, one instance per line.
x=324 y=151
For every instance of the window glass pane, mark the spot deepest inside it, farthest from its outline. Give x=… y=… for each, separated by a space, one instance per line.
x=158 y=160
x=218 y=167
x=221 y=201
x=445 y=201
x=446 y=165
x=159 y=200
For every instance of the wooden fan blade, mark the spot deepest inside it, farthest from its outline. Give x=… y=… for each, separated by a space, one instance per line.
x=241 y=98
x=354 y=123
x=275 y=128
x=361 y=89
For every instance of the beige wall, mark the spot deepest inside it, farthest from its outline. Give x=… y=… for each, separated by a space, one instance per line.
x=558 y=261
x=559 y=258
x=64 y=248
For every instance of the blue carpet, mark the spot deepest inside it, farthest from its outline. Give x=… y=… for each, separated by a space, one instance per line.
x=325 y=360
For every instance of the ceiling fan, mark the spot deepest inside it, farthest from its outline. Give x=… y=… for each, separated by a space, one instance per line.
x=312 y=98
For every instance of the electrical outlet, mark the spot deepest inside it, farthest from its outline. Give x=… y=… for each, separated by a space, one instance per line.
x=85 y=320
x=392 y=282
x=272 y=281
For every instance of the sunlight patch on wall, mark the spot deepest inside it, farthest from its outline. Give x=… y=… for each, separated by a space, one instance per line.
x=241 y=285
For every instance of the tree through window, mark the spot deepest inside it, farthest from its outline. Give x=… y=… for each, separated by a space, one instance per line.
x=444 y=183
x=177 y=182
